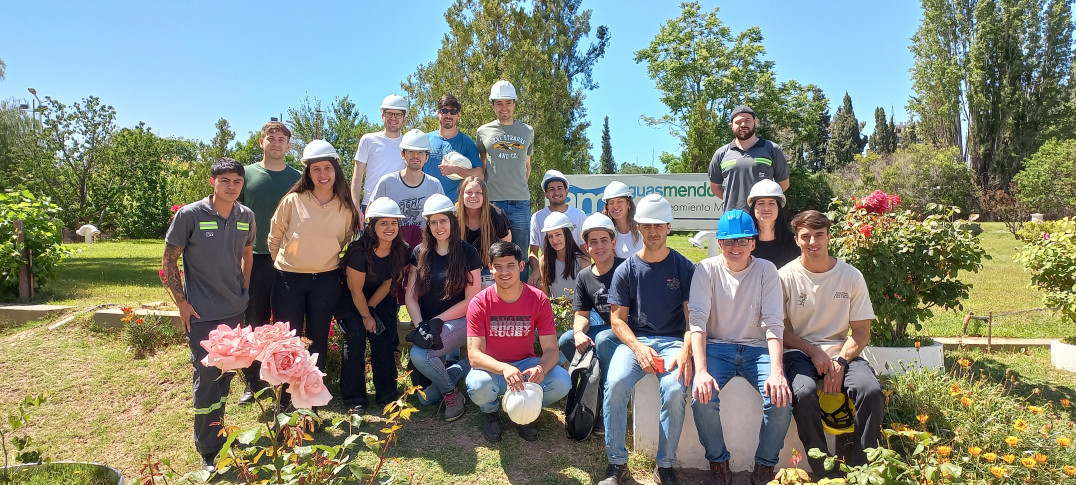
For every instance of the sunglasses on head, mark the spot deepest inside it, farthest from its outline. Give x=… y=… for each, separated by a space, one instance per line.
x=449 y=111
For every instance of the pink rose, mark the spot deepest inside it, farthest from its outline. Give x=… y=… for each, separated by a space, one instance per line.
x=309 y=390
x=284 y=362
x=266 y=335
x=229 y=348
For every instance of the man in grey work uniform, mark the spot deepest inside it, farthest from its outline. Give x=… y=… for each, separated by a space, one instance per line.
x=737 y=166
x=215 y=236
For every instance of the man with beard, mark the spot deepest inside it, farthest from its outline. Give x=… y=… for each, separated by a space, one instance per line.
x=737 y=166
x=378 y=153
x=447 y=138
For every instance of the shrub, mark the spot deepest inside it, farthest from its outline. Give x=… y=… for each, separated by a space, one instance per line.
x=41 y=231
x=145 y=334
x=1002 y=206
x=1050 y=254
x=807 y=190
x=911 y=262
x=921 y=174
x=1047 y=183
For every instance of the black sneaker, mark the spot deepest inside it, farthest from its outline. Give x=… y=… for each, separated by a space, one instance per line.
x=357 y=409
x=614 y=474
x=492 y=429
x=599 y=425
x=666 y=476
x=528 y=432
x=247 y=397
x=209 y=462
x=762 y=474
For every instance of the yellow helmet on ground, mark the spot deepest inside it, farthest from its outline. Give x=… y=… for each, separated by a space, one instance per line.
x=838 y=413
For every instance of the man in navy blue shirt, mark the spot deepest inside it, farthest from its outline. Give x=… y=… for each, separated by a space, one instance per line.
x=652 y=332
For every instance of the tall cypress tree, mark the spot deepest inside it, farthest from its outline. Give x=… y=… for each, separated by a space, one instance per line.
x=606 y=163
x=884 y=139
x=845 y=139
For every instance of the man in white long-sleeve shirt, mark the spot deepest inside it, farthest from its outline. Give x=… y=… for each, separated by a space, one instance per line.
x=736 y=318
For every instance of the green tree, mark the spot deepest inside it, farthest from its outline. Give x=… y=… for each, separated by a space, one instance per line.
x=815 y=158
x=249 y=151
x=1004 y=66
x=78 y=135
x=704 y=71
x=341 y=125
x=539 y=47
x=1047 y=183
x=845 y=139
x=605 y=162
x=907 y=134
x=3 y=70
x=138 y=156
x=20 y=152
x=884 y=138
x=218 y=146
x=628 y=167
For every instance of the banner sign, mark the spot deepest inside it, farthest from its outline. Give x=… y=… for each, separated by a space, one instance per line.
x=694 y=205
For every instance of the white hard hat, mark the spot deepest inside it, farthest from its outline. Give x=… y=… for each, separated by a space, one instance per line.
x=523 y=407
x=616 y=189
x=653 y=209
x=319 y=149
x=383 y=207
x=557 y=220
x=598 y=221
x=502 y=90
x=766 y=188
x=415 y=140
x=458 y=159
x=436 y=204
x=552 y=175
x=394 y=101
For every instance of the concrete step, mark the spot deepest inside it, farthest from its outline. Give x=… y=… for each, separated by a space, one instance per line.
x=995 y=343
x=19 y=314
x=110 y=318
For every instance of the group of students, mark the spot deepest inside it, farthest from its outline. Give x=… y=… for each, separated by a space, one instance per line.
x=455 y=261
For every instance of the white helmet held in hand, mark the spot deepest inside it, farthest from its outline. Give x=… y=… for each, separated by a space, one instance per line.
x=598 y=221
x=437 y=204
x=523 y=407
x=394 y=101
x=616 y=189
x=653 y=209
x=502 y=90
x=557 y=220
x=766 y=188
x=319 y=150
x=383 y=207
x=415 y=140
x=458 y=159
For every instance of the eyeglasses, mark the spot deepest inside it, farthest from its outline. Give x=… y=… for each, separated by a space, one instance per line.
x=741 y=242
x=392 y=115
x=449 y=111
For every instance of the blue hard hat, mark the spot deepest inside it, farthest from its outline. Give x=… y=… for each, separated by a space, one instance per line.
x=735 y=224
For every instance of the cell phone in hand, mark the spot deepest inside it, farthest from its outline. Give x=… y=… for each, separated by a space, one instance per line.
x=659 y=365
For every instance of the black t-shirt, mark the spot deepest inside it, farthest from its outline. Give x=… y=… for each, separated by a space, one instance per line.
x=376 y=274
x=500 y=228
x=431 y=303
x=592 y=292
x=775 y=252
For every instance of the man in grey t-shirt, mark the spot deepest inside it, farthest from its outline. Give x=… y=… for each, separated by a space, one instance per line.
x=411 y=186
x=505 y=146
x=737 y=166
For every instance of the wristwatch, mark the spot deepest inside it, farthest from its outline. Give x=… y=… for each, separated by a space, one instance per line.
x=841 y=360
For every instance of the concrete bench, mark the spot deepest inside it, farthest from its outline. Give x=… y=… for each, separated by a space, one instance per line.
x=741 y=416
x=20 y=314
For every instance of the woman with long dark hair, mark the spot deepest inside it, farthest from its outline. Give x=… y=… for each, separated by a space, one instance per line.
x=445 y=275
x=775 y=242
x=561 y=257
x=481 y=223
x=620 y=207
x=309 y=229
x=375 y=264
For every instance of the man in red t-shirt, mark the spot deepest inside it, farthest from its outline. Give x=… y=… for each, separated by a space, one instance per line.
x=501 y=323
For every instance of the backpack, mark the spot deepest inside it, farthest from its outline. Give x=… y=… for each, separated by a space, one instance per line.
x=584 y=399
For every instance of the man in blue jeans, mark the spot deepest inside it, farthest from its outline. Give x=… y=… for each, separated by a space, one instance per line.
x=737 y=324
x=502 y=321
x=653 y=330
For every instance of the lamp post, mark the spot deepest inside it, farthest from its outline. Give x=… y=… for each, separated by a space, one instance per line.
x=38 y=106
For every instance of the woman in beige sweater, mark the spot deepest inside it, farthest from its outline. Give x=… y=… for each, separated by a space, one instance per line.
x=310 y=228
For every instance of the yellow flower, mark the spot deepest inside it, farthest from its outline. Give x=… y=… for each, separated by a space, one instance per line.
x=998 y=471
x=1020 y=425
x=1034 y=409
x=1065 y=402
x=1039 y=457
x=1012 y=440
x=1064 y=441
x=898 y=427
x=1028 y=462
x=965 y=400
x=990 y=457
x=954 y=390
x=965 y=363
x=945 y=450
x=1069 y=470
x=922 y=418
x=1009 y=458
x=974 y=451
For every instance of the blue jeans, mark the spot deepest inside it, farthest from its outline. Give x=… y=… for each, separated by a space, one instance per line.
x=624 y=372
x=723 y=362
x=519 y=218
x=484 y=387
x=431 y=363
x=604 y=339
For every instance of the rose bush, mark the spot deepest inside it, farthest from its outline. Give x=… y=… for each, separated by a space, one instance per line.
x=1050 y=255
x=911 y=261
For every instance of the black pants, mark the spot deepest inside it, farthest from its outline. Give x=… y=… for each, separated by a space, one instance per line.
x=860 y=385
x=210 y=388
x=382 y=353
x=259 y=308
x=307 y=301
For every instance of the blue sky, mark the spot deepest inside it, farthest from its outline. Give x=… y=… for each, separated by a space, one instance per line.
x=179 y=66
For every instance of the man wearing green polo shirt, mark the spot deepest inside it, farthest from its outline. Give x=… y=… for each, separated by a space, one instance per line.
x=215 y=236
x=737 y=166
